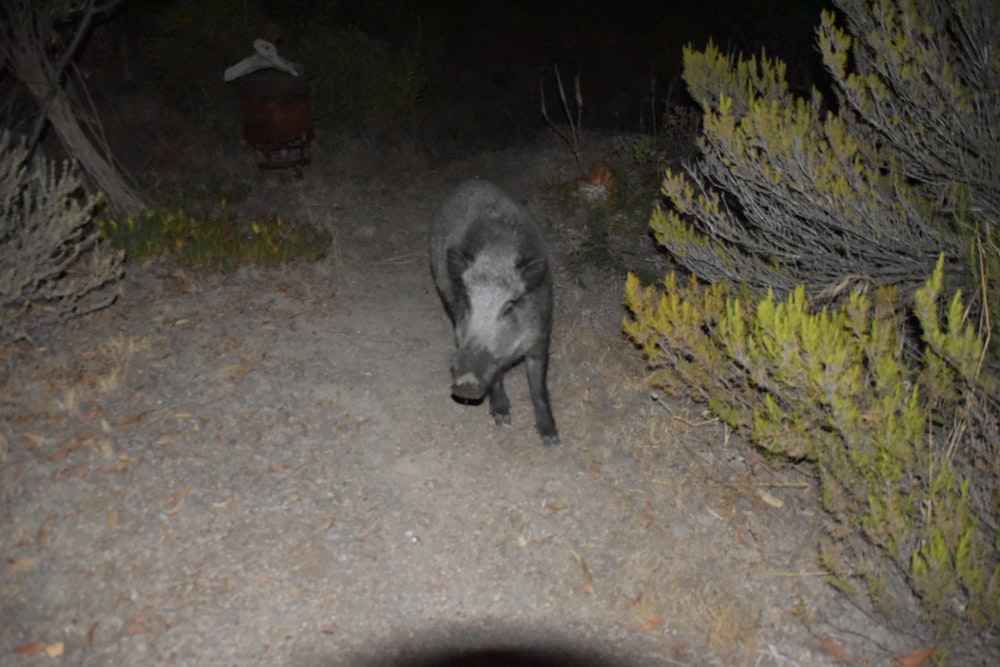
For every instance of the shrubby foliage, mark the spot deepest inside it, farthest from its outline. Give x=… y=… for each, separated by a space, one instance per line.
x=53 y=265
x=920 y=79
x=217 y=238
x=786 y=194
x=835 y=388
x=890 y=390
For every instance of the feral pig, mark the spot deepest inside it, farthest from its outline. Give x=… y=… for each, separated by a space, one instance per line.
x=492 y=273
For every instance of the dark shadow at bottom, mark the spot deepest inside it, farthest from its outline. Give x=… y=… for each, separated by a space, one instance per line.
x=508 y=658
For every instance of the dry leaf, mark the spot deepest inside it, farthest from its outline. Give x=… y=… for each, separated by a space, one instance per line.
x=42 y=536
x=54 y=650
x=34 y=648
x=70 y=447
x=35 y=443
x=135 y=628
x=651 y=624
x=743 y=540
x=915 y=659
x=78 y=472
x=588 y=580
x=836 y=650
x=22 y=565
x=771 y=500
x=179 y=496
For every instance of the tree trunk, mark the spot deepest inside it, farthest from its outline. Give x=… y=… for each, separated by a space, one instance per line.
x=24 y=36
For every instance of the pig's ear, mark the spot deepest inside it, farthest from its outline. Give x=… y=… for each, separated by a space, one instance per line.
x=457 y=264
x=533 y=273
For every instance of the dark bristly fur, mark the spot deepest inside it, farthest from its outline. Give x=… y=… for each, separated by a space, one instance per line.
x=492 y=271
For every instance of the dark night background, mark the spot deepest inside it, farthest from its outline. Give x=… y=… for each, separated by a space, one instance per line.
x=481 y=63
x=490 y=57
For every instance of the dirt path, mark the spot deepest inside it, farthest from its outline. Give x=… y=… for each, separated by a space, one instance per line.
x=266 y=468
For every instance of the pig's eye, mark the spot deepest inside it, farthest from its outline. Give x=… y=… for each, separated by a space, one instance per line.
x=508 y=308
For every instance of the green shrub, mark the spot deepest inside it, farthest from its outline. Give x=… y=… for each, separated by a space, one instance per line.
x=217 y=239
x=890 y=396
x=783 y=196
x=906 y=450
x=53 y=265
x=787 y=194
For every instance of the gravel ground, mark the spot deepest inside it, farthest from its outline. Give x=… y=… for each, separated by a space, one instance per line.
x=266 y=468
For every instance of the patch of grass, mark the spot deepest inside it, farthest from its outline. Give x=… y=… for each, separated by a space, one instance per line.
x=217 y=238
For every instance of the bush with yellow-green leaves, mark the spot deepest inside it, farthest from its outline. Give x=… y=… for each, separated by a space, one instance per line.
x=786 y=193
x=218 y=238
x=827 y=322
x=907 y=449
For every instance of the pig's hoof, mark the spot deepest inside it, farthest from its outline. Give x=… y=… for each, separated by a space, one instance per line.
x=549 y=440
x=501 y=418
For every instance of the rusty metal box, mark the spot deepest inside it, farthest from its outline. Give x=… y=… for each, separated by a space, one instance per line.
x=276 y=119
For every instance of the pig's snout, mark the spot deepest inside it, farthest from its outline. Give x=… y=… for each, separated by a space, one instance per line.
x=471 y=372
x=468 y=387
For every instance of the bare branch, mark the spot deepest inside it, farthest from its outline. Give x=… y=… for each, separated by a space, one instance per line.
x=26 y=29
x=573 y=141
